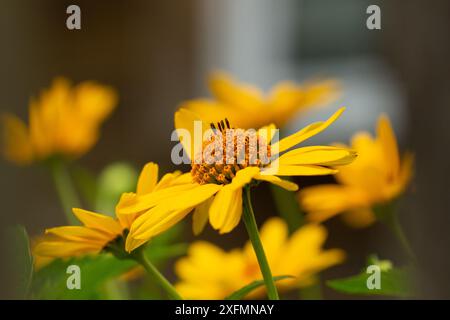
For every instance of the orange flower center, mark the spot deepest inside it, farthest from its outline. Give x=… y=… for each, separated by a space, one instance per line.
x=226 y=151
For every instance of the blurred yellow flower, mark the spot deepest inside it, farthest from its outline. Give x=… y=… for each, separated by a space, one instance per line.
x=208 y=272
x=39 y=261
x=247 y=107
x=377 y=176
x=99 y=230
x=214 y=190
x=64 y=121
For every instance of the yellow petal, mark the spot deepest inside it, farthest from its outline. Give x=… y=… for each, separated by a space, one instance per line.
x=284 y=100
x=15 y=142
x=210 y=111
x=126 y=219
x=226 y=209
x=193 y=197
x=130 y=205
x=329 y=258
x=243 y=96
x=318 y=155
x=147 y=179
x=200 y=216
x=167 y=180
x=63 y=249
x=305 y=251
x=98 y=221
x=288 y=185
x=93 y=101
x=171 y=208
x=244 y=177
x=156 y=221
x=304 y=170
x=81 y=234
x=132 y=243
x=274 y=234
x=324 y=201
x=359 y=218
x=189 y=121
x=306 y=133
x=179 y=179
x=388 y=141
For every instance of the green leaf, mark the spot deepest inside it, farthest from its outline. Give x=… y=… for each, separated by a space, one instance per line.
x=20 y=260
x=394 y=282
x=50 y=282
x=241 y=293
x=114 y=180
x=95 y=271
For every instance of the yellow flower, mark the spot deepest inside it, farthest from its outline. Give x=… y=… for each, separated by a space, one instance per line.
x=65 y=121
x=208 y=272
x=247 y=107
x=99 y=230
x=39 y=261
x=376 y=177
x=214 y=190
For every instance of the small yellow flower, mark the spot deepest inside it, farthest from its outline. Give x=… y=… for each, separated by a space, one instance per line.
x=64 y=121
x=376 y=177
x=247 y=107
x=99 y=230
x=208 y=272
x=214 y=190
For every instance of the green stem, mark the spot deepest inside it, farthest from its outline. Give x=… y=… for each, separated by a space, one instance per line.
x=386 y=213
x=65 y=188
x=394 y=224
x=252 y=230
x=156 y=275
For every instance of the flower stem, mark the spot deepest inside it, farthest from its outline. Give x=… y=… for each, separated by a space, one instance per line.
x=252 y=230
x=65 y=188
x=395 y=226
x=386 y=213
x=156 y=275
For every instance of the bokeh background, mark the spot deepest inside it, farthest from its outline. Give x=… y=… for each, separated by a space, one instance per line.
x=158 y=53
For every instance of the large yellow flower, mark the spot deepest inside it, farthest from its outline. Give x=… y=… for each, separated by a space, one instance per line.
x=99 y=230
x=376 y=177
x=208 y=272
x=215 y=190
x=65 y=121
x=247 y=107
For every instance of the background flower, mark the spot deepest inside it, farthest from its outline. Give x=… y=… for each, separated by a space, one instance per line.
x=64 y=120
x=377 y=176
x=246 y=106
x=209 y=272
x=99 y=230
